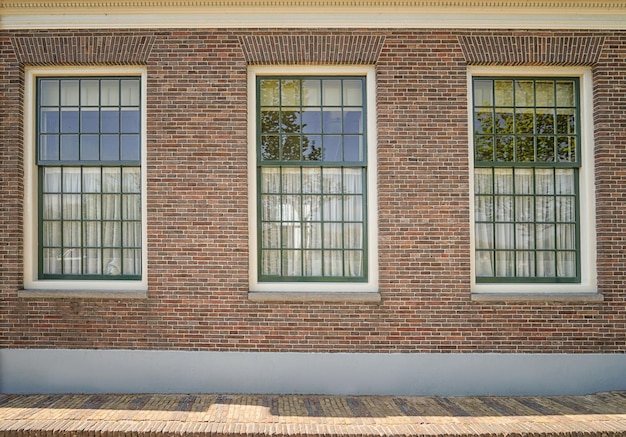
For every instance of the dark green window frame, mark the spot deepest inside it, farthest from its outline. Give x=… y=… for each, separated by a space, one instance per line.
x=527 y=149
x=88 y=153
x=311 y=155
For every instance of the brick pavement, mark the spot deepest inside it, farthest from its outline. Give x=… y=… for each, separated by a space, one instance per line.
x=151 y=415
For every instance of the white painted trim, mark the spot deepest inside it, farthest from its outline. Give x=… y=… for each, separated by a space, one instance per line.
x=30 y=183
x=371 y=286
x=512 y=14
x=588 y=284
x=137 y=371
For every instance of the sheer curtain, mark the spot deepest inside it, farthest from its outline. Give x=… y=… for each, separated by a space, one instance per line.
x=525 y=222
x=312 y=221
x=91 y=226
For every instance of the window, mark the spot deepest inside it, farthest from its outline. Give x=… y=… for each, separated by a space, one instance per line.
x=528 y=183
x=87 y=176
x=312 y=172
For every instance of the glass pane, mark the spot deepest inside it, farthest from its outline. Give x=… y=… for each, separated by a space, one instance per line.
x=270 y=235
x=270 y=208
x=270 y=148
x=49 y=92
x=545 y=121
x=51 y=207
x=110 y=119
x=270 y=120
x=129 y=92
x=131 y=180
x=270 y=94
x=109 y=93
x=545 y=149
x=130 y=120
x=69 y=92
x=353 y=238
x=290 y=92
x=353 y=263
x=504 y=148
x=352 y=148
x=312 y=121
x=89 y=147
x=483 y=181
x=291 y=235
x=545 y=209
x=93 y=262
x=545 y=93
x=332 y=180
x=545 y=236
x=331 y=92
x=524 y=211
x=72 y=261
x=89 y=92
x=353 y=121
x=566 y=237
x=566 y=121
x=484 y=236
x=503 y=92
x=292 y=263
x=504 y=121
x=112 y=233
x=92 y=206
x=505 y=264
x=291 y=208
x=270 y=262
x=270 y=180
x=52 y=234
x=332 y=208
x=72 y=180
x=290 y=120
x=524 y=120
x=130 y=148
x=311 y=180
x=111 y=207
x=353 y=180
x=503 y=181
x=110 y=150
x=291 y=148
x=333 y=235
x=566 y=264
x=352 y=92
x=131 y=207
x=312 y=235
x=71 y=234
x=113 y=262
x=312 y=263
x=111 y=179
x=291 y=180
x=524 y=93
x=525 y=264
x=525 y=236
x=483 y=121
x=91 y=180
x=49 y=147
x=504 y=236
x=332 y=148
x=49 y=121
x=546 y=266
x=566 y=149
x=525 y=149
x=333 y=265
x=484 y=148
x=52 y=179
x=564 y=181
x=504 y=208
x=484 y=264
x=69 y=148
x=331 y=121
x=353 y=208
x=72 y=207
x=311 y=93
x=131 y=232
x=91 y=234
x=565 y=95
x=565 y=209
x=312 y=148
x=544 y=181
x=52 y=261
x=89 y=120
x=483 y=93
x=69 y=120
x=483 y=210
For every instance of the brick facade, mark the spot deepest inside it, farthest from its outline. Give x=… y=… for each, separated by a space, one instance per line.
x=198 y=206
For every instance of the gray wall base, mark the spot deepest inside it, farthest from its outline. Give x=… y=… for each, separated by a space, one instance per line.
x=129 y=371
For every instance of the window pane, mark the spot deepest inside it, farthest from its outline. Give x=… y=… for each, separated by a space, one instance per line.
x=49 y=92
x=352 y=92
x=90 y=92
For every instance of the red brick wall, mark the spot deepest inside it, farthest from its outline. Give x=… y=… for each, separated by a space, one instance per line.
x=197 y=200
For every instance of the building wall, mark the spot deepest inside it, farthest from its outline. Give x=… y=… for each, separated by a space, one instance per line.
x=197 y=298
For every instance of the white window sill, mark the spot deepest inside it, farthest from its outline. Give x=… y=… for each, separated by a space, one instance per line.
x=307 y=296
x=537 y=297
x=83 y=294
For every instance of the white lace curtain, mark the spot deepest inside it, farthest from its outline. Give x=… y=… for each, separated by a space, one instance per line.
x=91 y=221
x=312 y=221
x=525 y=222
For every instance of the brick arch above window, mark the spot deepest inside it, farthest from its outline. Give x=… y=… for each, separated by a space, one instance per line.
x=83 y=50
x=531 y=50
x=312 y=49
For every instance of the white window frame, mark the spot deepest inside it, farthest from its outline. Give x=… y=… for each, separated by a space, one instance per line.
x=371 y=286
x=31 y=254
x=588 y=283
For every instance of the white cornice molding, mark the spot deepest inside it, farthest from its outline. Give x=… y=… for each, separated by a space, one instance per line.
x=509 y=14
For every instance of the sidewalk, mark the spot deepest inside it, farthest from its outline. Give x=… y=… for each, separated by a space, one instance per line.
x=602 y=415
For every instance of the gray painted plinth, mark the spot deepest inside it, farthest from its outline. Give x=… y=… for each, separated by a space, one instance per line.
x=128 y=371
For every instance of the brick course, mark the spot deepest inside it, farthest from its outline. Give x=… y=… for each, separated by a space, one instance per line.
x=197 y=199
